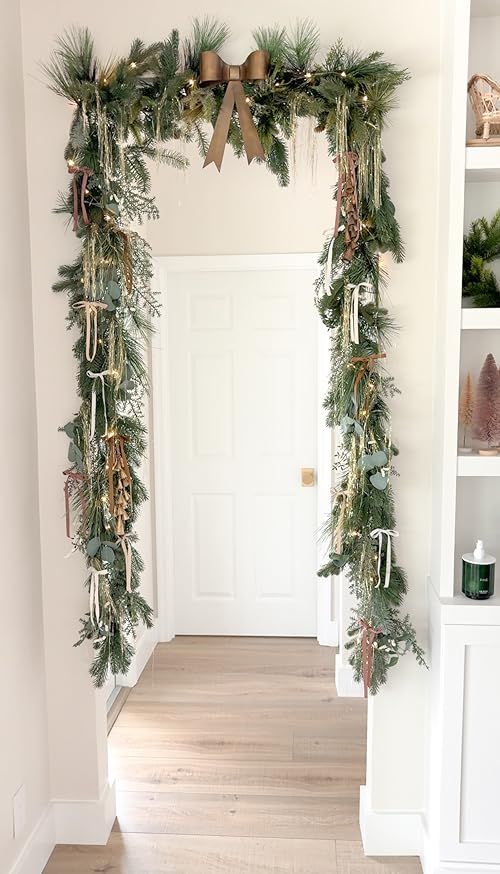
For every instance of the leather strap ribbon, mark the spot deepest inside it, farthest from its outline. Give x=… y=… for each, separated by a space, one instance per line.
x=84 y=172
x=73 y=479
x=124 y=542
x=367 y=362
x=94 y=600
x=379 y=532
x=93 y=404
x=368 y=637
x=213 y=70
x=91 y=308
x=354 y=310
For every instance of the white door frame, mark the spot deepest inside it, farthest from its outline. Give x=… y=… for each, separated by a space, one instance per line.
x=327 y=629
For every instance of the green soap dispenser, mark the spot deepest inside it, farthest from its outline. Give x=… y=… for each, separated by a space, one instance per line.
x=478 y=573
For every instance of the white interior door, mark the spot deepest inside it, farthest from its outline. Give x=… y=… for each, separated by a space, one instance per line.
x=242 y=346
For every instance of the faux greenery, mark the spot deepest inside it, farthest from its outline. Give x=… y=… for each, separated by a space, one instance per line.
x=481 y=247
x=132 y=110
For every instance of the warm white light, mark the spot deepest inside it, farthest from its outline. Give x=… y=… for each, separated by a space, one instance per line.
x=247 y=100
x=71 y=163
x=343 y=74
x=133 y=65
x=191 y=82
x=365 y=99
x=308 y=75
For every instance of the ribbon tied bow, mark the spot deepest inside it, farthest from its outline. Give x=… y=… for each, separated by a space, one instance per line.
x=379 y=532
x=213 y=70
x=91 y=308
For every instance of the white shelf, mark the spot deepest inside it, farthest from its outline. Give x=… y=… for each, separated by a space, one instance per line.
x=482 y=163
x=478 y=465
x=481 y=319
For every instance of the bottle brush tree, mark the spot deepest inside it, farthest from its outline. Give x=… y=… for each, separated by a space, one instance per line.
x=466 y=406
x=486 y=416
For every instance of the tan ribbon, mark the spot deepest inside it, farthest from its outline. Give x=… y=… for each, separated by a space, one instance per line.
x=367 y=362
x=73 y=478
x=91 y=308
x=212 y=70
x=84 y=172
x=124 y=542
x=368 y=636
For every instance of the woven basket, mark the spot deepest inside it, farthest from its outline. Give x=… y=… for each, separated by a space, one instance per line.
x=484 y=95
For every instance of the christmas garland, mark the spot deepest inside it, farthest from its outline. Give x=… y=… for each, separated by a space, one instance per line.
x=481 y=247
x=123 y=111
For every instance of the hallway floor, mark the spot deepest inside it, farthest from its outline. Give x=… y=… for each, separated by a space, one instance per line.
x=234 y=756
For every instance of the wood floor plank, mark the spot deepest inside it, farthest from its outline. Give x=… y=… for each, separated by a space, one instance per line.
x=351 y=860
x=233 y=815
x=136 y=774
x=184 y=745
x=162 y=854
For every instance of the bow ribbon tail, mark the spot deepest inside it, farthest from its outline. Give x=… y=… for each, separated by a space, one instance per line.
x=354 y=315
x=93 y=402
x=339 y=201
x=251 y=141
x=379 y=533
x=127 y=554
x=94 y=600
x=75 y=203
x=83 y=189
x=217 y=145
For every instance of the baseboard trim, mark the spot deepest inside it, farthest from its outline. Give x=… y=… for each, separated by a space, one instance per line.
x=389 y=833
x=346 y=685
x=143 y=652
x=36 y=851
x=85 y=822
x=431 y=864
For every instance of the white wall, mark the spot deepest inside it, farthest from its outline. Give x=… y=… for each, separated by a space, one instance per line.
x=293 y=221
x=23 y=724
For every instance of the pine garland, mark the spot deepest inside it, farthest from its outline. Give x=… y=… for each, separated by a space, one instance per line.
x=124 y=111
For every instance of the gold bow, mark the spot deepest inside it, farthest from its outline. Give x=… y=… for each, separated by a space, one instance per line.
x=212 y=70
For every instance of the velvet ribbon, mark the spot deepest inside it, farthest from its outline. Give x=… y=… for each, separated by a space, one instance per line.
x=214 y=70
x=367 y=362
x=84 y=172
x=91 y=308
x=73 y=479
x=124 y=542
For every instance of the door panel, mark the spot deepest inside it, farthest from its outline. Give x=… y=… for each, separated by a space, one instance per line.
x=243 y=372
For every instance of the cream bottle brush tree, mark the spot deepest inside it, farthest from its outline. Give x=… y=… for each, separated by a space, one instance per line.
x=486 y=416
x=466 y=410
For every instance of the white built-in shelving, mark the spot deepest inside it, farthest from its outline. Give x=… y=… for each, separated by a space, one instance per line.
x=462 y=824
x=478 y=465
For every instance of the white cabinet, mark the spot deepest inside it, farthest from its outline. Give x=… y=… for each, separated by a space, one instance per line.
x=464 y=812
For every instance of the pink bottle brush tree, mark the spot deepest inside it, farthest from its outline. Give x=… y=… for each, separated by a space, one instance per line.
x=486 y=419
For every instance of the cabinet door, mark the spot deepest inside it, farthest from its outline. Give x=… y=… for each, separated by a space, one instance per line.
x=470 y=805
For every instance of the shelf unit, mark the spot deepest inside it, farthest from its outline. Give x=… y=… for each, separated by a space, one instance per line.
x=462 y=834
x=478 y=465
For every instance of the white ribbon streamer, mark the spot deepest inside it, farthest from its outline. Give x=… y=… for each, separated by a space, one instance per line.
x=379 y=532
x=94 y=603
x=124 y=542
x=93 y=405
x=354 y=310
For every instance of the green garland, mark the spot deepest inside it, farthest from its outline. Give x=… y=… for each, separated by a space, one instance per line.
x=124 y=111
x=481 y=247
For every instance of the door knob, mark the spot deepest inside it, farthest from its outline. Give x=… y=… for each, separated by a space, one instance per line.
x=307 y=476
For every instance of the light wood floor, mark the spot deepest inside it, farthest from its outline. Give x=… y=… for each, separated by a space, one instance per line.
x=234 y=756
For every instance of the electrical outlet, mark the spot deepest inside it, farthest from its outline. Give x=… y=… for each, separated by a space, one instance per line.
x=19 y=811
